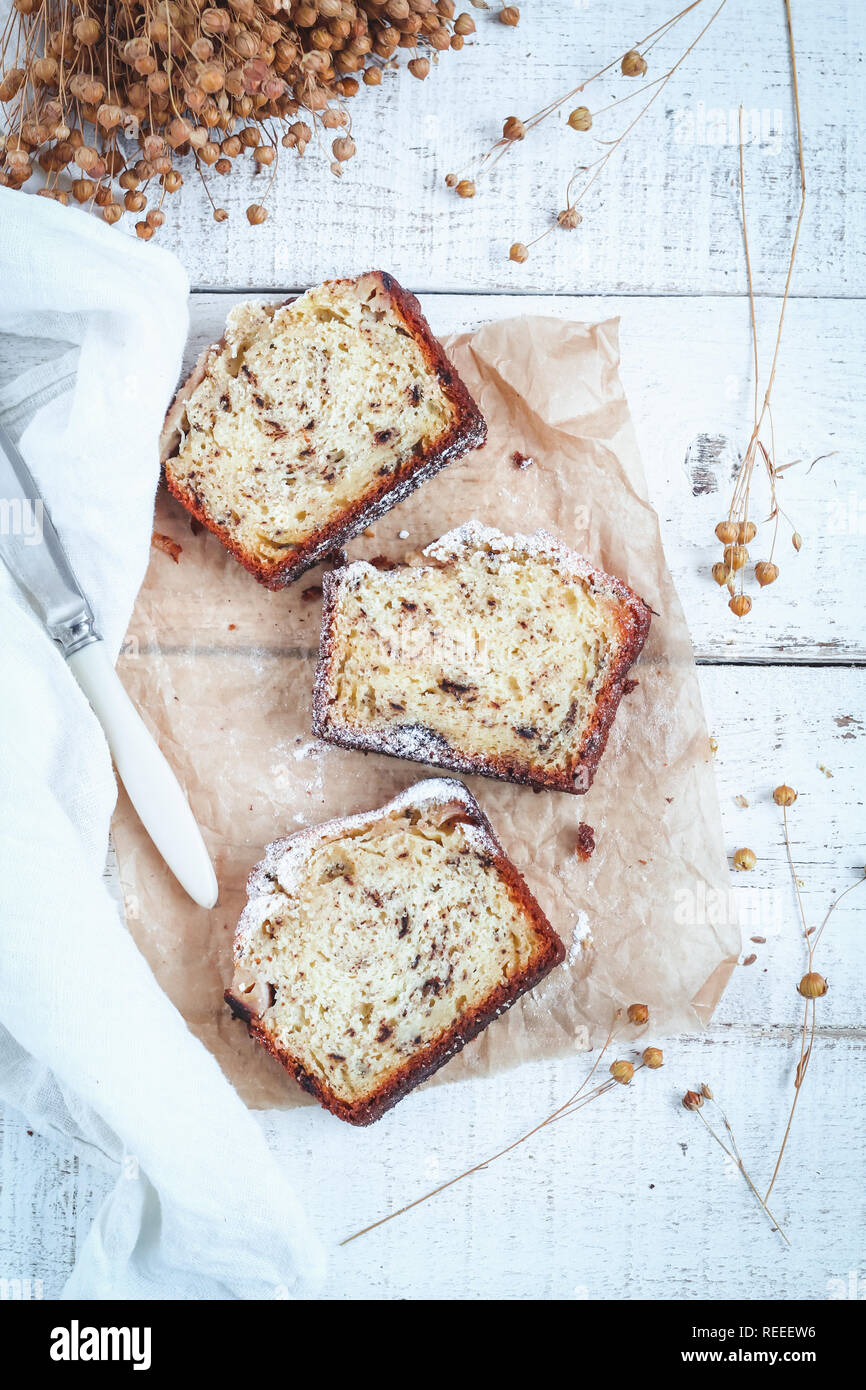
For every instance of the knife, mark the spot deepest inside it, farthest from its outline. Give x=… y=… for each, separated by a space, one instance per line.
x=38 y=563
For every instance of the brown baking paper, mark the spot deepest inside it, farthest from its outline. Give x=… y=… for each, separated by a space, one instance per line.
x=223 y=670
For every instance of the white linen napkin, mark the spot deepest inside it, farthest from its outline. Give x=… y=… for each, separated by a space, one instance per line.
x=91 y=1050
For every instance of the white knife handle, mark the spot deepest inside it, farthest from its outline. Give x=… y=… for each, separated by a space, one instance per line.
x=152 y=786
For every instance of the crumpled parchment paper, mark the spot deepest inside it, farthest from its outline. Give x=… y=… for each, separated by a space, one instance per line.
x=223 y=671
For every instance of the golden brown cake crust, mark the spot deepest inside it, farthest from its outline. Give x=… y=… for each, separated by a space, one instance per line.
x=468 y=431
x=433 y=749
x=550 y=953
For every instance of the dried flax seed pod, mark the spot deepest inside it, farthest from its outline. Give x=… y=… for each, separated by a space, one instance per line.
x=182 y=77
x=784 y=795
x=622 y=1071
x=812 y=986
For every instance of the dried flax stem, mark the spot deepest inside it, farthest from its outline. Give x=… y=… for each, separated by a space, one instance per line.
x=477 y=1167
x=663 y=82
x=506 y=143
x=735 y=1157
x=633 y=64
x=752 y=319
x=736 y=532
x=802 y=209
x=809 y=1009
x=575 y=1102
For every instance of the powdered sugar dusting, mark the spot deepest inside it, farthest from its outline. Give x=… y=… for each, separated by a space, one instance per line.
x=309 y=750
x=416 y=741
x=474 y=535
x=539 y=545
x=285 y=861
x=581 y=937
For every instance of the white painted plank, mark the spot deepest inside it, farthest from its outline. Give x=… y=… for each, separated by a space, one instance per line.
x=663 y=218
x=805 y=727
x=573 y=1214
x=628 y=1199
x=686 y=372
x=637 y=1203
x=48 y=1200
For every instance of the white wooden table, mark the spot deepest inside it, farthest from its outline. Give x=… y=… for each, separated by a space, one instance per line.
x=630 y=1198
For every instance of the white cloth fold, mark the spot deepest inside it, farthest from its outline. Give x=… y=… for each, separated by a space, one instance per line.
x=91 y=1051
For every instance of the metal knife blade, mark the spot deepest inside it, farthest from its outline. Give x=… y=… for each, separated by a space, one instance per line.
x=31 y=549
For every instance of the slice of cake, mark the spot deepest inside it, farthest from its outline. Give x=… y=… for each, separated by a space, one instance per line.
x=501 y=655
x=310 y=419
x=372 y=948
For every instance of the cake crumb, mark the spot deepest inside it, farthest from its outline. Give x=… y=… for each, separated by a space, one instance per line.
x=521 y=461
x=585 y=843
x=171 y=548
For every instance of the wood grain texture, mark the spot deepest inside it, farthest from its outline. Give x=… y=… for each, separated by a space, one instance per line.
x=686 y=372
x=663 y=218
x=629 y=1198
x=635 y=1199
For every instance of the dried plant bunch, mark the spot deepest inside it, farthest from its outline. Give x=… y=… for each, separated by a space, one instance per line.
x=632 y=64
x=203 y=82
x=811 y=987
x=620 y=1073
x=737 y=531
